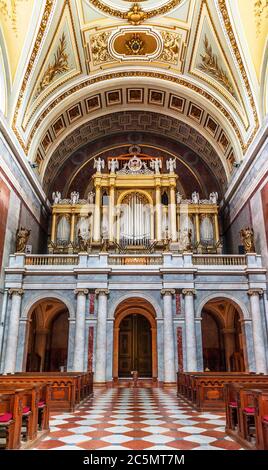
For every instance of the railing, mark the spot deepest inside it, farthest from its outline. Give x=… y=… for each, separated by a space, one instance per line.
x=219 y=260
x=52 y=260
x=135 y=259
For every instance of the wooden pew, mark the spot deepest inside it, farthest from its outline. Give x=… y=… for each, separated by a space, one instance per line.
x=205 y=390
x=7 y=421
x=250 y=408
x=67 y=389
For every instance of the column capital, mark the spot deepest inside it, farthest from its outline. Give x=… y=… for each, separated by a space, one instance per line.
x=168 y=291
x=81 y=291
x=15 y=292
x=188 y=292
x=255 y=292
x=102 y=291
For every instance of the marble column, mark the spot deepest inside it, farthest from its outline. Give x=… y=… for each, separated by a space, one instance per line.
x=53 y=228
x=197 y=228
x=169 y=345
x=96 y=221
x=158 y=214
x=101 y=339
x=173 y=221
x=13 y=330
x=41 y=343
x=80 y=327
x=216 y=228
x=229 y=345
x=257 y=326
x=191 y=356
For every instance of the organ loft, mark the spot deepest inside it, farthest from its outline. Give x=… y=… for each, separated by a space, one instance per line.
x=135 y=205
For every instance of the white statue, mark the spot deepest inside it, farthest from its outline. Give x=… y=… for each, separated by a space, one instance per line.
x=179 y=197
x=213 y=198
x=98 y=164
x=171 y=165
x=90 y=197
x=56 y=196
x=74 y=197
x=113 y=165
x=156 y=165
x=195 y=198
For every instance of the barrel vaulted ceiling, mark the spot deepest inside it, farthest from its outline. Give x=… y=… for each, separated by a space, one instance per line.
x=75 y=67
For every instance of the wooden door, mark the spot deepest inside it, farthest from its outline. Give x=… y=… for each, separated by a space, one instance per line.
x=135 y=346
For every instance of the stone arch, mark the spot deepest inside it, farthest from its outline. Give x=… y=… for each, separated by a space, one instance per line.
x=129 y=306
x=240 y=306
x=34 y=301
x=135 y=294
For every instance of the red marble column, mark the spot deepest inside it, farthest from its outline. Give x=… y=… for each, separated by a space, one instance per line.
x=180 y=350
x=90 y=348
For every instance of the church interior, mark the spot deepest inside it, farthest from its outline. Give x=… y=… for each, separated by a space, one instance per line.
x=134 y=224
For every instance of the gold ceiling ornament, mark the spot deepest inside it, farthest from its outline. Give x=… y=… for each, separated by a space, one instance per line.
x=8 y=9
x=260 y=7
x=58 y=67
x=99 y=48
x=136 y=14
x=210 y=65
x=135 y=45
x=171 y=47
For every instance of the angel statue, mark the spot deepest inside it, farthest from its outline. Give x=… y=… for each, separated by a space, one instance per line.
x=213 y=198
x=98 y=164
x=22 y=237
x=156 y=165
x=195 y=198
x=178 y=197
x=74 y=197
x=171 y=165
x=56 y=197
x=113 y=165
x=90 y=197
x=247 y=236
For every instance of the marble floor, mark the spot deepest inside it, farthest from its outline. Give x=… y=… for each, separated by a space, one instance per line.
x=141 y=418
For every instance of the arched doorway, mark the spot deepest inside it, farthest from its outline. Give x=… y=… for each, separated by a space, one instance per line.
x=135 y=346
x=222 y=337
x=135 y=339
x=47 y=345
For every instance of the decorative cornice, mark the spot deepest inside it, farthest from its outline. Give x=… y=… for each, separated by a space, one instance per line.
x=144 y=15
x=81 y=291
x=169 y=78
x=189 y=292
x=168 y=291
x=102 y=291
x=15 y=291
x=252 y=292
x=230 y=33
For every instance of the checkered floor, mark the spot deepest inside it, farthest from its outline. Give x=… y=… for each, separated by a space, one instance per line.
x=142 y=418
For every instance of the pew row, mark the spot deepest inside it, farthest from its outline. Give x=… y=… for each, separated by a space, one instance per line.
x=66 y=390
x=247 y=415
x=205 y=390
x=24 y=411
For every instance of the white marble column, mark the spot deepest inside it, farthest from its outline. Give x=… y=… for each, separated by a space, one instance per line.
x=101 y=339
x=13 y=330
x=80 y=327
x=169 y=346
x=257 y=326
x=191 y=356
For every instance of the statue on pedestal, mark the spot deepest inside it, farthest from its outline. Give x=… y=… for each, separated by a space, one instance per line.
x=98 y=164
x=213 y=198
x=90 y=197
x=178 y=197
x=113 y=165
x=22 y=237
x=247 y=236
x=156 y=165
x=195 y=198
x=82 y=243
x=56 y=197
x=171 y=165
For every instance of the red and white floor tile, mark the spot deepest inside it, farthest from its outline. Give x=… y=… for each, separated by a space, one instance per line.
x=137 y=419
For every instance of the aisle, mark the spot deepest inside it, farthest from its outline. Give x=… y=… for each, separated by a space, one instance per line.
x=143 y=418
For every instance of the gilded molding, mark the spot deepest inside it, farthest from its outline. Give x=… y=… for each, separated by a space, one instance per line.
x=140 y=15
x=229 y=30
x=210 y=65
x=59 y=66
x=260 y=6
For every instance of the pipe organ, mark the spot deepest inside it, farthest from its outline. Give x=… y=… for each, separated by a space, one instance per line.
x=141 y=208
